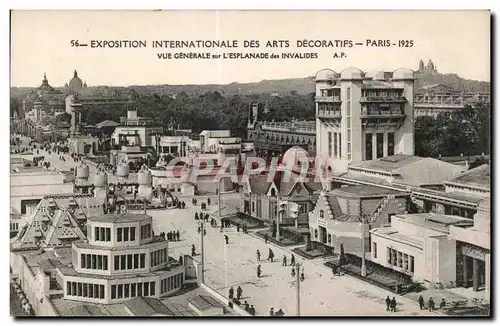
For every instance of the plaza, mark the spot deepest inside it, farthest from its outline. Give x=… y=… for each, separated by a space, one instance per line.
x=233 y=265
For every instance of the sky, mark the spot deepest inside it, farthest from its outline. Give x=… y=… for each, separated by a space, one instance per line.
x=456 y=41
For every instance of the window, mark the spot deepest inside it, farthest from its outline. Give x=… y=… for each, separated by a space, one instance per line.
x=126 y=291
x=389 y=255
x=132 y=234
x=103 y=234
x=120 y=291
x=303 y=208
x=91 y=291
x=94 y=261
x=405 y=262
x=108 y=234
x=117 y=263
x=136 y=261
x=253 y=207
x=340 y=145
x=152 y=259
x=412 y=264
x=330 y=145
x=84 y=288
x=389 y=218
x=119 y=234
x=139 y=289
x=375 y=250
x=105 y=263
x=368 y=147
x=99 y=262
x=335 y=143
x=125 y=233
x=82 y=260
x=101 y=291
x=152 y=288
x=380 y=145
x=89 y=261
x=390 y=144
x=123 y=263
x=133 y=290
x=96 y=290
x=96 y=233
x=68 y=288
x=143 y=260
x=129 y=262
x=146 y=289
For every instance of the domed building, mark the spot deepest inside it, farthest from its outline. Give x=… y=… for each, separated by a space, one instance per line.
x=75 y=84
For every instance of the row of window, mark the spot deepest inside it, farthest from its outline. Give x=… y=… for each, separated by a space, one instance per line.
x=379 y=144
x=132 y=290
x=401 y=260
x=126 y=234
x=171 y=283
x=159 y=256
x=89 y=261
x=85 y=290
x=335 y=146
x=14 y=226
x=102 y=234
x=130 y=261
x=146 y=231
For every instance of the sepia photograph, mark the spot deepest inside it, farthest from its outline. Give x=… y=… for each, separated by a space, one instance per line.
x=250 y=163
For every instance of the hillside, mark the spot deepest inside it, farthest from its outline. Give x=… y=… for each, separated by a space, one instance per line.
x=282 y=87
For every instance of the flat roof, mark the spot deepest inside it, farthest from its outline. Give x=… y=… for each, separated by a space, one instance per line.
x=120 y=218
x=454 y=195
x=386 y=164
x=394 y=234
x=204 y=302
x=476 y=177
x=367 y=191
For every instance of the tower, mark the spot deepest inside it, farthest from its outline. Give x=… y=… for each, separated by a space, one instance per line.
x=363 y=116
x=421 y=66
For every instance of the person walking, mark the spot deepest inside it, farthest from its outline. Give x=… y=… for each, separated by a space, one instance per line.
x=252 y=310
x=231 y=292
x=421 y=302
x=293 y=272
x=238 y=227
x=258 y=255
x=292 y=260
x=265 y=238
x=247 y=306
x=193 y=251
x=208 y=201
x=284 y=261
x=388 y=303
x=271 y=312
x=239 y=292
x=431 y=304
x=226 y=238
x=393 y=304
x=270 y=256
x=178 y=235
x=259 y=271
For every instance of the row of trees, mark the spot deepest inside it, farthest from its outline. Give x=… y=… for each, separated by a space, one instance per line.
x=467 y=132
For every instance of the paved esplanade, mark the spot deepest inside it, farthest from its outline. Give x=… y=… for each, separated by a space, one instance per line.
x=235 y=264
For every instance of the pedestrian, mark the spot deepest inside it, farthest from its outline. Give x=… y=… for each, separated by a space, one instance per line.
x=271 y=312
x=252 y=310
x=181 y=260
x=265 y=238
x=204 y=231
x=208 y=201
x=193 y=251
x=270 y=256
x=388 y=304
x=280 y=313
x=183 y=205
x=442 y=304
x=238 y=227
x=199 y=229
x=393 y=304
x=226 y=238
x=258 y=255
x=245 y=230
x=302 y=276
x=284 y=261
x=196 y=215
x=178 y=235
x=292 y=260
x=247 y=306
x=259 y=271
x=231 y=292
x=293 y=271
x=239 y=292
x=431 y=304
x=421 y=302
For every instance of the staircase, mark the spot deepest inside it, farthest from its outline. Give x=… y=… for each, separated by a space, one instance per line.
x=380 y=209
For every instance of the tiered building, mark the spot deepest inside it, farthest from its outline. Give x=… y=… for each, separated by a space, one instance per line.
x=121 y=259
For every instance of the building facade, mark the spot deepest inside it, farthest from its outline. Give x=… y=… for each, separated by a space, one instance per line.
x=363 y=116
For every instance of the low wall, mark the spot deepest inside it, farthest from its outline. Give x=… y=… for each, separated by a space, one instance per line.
x=224 y=300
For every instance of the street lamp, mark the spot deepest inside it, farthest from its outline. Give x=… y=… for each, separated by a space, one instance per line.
x=219 y=197
x=363 y=260
x=201 y=224
x=297 y=286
